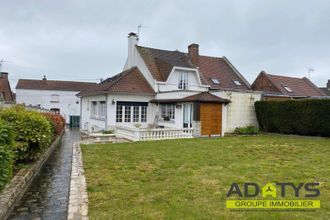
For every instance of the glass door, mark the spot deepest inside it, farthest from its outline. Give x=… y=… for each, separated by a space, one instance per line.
x=187 y=115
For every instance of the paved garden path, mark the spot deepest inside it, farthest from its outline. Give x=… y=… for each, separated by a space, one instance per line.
x=48 y=195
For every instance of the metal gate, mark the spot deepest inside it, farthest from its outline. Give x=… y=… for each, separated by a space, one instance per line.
x=74 y=121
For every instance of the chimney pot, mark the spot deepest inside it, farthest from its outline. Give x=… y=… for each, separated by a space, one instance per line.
x=193 y=53
x=4 y=75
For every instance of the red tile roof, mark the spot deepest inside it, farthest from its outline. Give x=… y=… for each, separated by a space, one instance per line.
x=300 y=87
x=5 y=89
x=53 y=85
x=161 y=62
x=200 y=97
x=128 y=81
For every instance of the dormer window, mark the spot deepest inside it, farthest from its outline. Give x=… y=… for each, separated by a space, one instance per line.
x=287 y=88
x=183 y=81
x=237 y=83
x=215 y=81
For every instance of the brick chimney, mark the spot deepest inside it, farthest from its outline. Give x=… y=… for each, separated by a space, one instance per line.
x=133 y=40
x=4 y=75
x=328 y=84
x=193 y=53
x=44 y=79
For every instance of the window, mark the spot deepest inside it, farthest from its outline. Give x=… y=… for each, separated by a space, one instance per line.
x=94 y=108
x=119 y=113
x=215 y=81
x=102 y=109
x=127 y=113
x=183 y=81
x=167 y=111
x=143 y=113
x=2 y=96
x=54 y=98
x=136 y=113
x=131 y=112
x=287 y=88
x=237 y=83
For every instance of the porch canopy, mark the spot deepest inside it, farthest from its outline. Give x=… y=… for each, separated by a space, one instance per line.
x=205 y=97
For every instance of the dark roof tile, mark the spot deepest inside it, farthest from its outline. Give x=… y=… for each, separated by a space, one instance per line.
x=53 y=85
x=161 y=62
x=128 y=81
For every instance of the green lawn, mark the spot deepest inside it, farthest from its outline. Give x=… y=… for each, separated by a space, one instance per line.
x=189 y=179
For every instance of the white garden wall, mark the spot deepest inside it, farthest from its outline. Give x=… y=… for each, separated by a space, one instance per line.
x=240 y=112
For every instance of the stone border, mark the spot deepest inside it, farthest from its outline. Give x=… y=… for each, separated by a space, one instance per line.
x=78 y=199
x=18 y=185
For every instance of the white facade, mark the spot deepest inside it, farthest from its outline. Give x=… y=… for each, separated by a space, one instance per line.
x=240 y=112
x=66 y=101
x=182 y=82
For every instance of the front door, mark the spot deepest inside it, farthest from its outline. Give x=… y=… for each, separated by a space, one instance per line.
x=211 y=118
x=187 y=115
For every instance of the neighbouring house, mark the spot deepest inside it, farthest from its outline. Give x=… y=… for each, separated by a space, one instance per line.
x=170 y=90
x=326 y=90
x=6 y=95
x=275 y=87
x=54 y=95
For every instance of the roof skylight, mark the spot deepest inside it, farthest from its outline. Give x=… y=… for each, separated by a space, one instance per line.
x=237 y=83
x=215 y=81
x=287 y=88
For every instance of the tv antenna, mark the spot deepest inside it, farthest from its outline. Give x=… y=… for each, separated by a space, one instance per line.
x=310 y=70
x=139 y=27
x=2 y=61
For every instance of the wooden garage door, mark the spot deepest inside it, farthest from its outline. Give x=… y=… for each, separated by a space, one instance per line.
x=211 y=118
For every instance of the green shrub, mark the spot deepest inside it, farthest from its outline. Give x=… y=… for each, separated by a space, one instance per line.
x=303 y=117
x=6 y=159
x=32 y=132
x=248 y=130
x=108 y=132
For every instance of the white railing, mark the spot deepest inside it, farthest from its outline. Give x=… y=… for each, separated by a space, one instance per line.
x=145 y=134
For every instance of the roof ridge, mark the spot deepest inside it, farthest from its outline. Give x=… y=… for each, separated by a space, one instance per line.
x=284 y=76
x=121 y=76
x=160 y=49
x=50 y=80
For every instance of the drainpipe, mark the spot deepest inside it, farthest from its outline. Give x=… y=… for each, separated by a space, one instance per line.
x=106 y=112
x=81 y=114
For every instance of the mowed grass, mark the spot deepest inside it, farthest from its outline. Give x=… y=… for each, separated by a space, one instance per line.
x=189 y=179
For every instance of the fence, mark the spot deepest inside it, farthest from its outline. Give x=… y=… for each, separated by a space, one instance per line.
x=145 y=134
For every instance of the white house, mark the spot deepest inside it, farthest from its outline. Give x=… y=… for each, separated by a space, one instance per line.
x=58 y=96
x=170 y=90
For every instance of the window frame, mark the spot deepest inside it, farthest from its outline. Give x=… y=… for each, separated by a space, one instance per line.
x=94 y=108
x=167 y=110
x=183 y=81
x=102 y=109
x=119 y=113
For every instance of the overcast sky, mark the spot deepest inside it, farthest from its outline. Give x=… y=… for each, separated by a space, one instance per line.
x=87 y=40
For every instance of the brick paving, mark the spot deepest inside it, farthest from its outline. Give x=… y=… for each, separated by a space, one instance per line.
x=48 y=195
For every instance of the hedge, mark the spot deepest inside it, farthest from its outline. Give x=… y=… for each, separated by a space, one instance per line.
x=32 y=132
x=57 y=122
x=6 y=159
x=302 y=117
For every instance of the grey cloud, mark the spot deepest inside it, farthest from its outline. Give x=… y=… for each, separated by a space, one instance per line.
x=86 y=40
